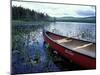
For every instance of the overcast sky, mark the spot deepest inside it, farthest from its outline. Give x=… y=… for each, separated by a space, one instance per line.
x=58 y=10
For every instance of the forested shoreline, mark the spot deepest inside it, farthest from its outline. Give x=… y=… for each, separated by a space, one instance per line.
x=25 y=14
x=20 y=14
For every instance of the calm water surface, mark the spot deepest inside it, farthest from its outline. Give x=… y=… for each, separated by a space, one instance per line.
x=83 y=31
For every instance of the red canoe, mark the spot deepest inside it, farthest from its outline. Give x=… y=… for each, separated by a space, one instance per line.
x=79 y=51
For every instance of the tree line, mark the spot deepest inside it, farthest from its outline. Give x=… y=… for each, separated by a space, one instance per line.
x=20 y=13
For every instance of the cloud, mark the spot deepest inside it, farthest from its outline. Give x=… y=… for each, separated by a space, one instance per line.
x=86 y=13
x=58 y=10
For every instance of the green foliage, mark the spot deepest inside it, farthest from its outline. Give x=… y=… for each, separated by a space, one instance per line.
x=20 y=13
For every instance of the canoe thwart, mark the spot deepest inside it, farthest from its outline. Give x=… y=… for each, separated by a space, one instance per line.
x=83 y=46
x=63 y=40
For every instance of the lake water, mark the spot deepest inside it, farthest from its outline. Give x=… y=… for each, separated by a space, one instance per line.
x=35 y=48
x=83 y=31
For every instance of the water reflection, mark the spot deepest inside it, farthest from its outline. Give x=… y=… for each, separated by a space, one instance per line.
x=83 y=31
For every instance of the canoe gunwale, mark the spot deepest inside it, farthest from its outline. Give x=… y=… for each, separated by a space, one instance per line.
x=45 y=32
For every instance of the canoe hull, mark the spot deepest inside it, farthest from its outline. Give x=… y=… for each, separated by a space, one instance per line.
x=83 y=60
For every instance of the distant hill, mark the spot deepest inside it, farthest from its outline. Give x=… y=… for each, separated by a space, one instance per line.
x=91 y=19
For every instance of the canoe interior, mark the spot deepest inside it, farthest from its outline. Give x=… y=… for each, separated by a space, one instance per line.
x=83 y=47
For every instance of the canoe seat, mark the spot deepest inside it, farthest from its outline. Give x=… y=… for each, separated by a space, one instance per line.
x=63 y=40
x=83 y=46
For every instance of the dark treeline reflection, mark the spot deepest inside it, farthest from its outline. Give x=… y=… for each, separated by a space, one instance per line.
x=20 y=13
